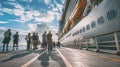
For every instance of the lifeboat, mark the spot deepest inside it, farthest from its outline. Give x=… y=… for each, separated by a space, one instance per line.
x=68 y=25
x=76 y=15
x=79 y=9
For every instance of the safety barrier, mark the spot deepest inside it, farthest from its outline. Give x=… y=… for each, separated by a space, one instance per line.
x=109 y=41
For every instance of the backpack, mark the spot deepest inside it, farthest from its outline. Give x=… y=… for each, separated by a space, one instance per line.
x=27 y=38
x=6 y=34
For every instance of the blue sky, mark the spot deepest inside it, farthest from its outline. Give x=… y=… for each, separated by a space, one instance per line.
x=25 y=16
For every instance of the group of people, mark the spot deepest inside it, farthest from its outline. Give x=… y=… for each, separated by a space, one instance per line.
x=47 y=40
x=32 y=40
x=7 y=38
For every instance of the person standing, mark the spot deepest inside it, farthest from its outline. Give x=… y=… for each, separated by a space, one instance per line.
x=58 y=44
x=7 y=38
x=37 y=41
x=34 y=41
x=28 y=39
x=44 y=40
x=15 y=40
x=49 y=40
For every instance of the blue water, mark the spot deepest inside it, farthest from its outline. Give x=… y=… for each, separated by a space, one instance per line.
x=21 y=47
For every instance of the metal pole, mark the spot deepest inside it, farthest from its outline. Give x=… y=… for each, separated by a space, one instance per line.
x=117 y=43
x=86 y=44
x=80 y=43
x=96 y=44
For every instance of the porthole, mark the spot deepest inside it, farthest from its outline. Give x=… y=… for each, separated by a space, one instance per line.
x=88 y=27
x=83 y=29
x=111 y=14
x=80 y=31
x=100 y=20
x=77 y=32
x=93 y=24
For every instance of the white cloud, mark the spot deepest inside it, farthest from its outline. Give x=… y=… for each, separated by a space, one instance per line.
x=3 y=28
x=47 y=1
x=7 y=10
x=54 y=28
x=52 y=5
x=20 y=11
x=33 y=14
x=18 y=6
x=3 y=22
x=58 y=15
x=36 y=13
x=60 y=6
x=0 y=4
x=29 y=15
x=1 y=14
x=32 y=27
x=23 y=18
x=17 y=20
x=48 y=17
x=29 y=1
x=11 y=0
x=55 y=9
x=62 y=1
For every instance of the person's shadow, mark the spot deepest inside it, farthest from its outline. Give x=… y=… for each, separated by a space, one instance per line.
x=19 y=55
x=44 y=58
x=57 y=58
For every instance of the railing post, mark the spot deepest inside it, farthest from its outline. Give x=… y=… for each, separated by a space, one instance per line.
x=86 y=44
x=97 y=47
x=80 y=43
x=117 y=43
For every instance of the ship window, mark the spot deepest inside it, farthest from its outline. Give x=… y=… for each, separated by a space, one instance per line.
x=93 y=24
x=88 y=27
x=97 y=2
x=73 y=34
x=77 y=32
x=100 y=20
x=83 y=29
x=68 y=35
x=111 y=14
x=80 y=31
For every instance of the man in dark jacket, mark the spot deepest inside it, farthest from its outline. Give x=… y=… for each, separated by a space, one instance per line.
x=7 y=38
x=44 y=40
x=49 y=40
x=15 y=41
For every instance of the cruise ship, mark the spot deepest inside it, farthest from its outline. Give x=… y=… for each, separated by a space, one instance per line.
x=91 y=24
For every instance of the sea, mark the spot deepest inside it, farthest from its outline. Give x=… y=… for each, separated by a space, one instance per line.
x=10 y=48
